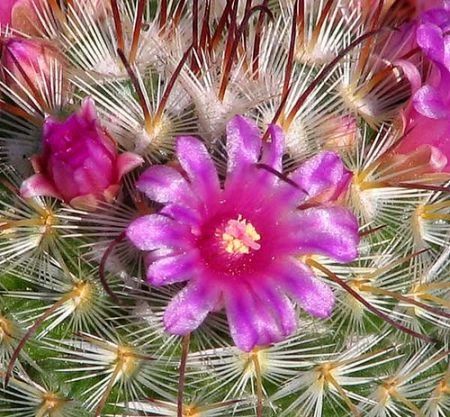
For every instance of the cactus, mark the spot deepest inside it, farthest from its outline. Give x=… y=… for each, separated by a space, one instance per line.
x=111 y=110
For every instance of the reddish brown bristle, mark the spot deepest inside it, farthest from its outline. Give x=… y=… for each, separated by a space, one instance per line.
x=137 y=31
x=117 y=25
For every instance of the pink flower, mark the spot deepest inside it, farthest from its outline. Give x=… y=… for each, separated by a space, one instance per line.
x=432 y=99
x=79 y=162
x=27 y=65
x=238 y=243
x=425 y=147
x=424 y=5
x=20 y=15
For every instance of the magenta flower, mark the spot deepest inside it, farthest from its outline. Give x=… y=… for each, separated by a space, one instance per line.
x=238 y=243
x=79 y=163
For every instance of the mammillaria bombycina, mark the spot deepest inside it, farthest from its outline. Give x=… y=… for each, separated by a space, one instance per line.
x=284 y=248
x=79 y=162
x=238 y=245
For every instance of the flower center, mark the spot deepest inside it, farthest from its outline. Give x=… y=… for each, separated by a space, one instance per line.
x=240 y=236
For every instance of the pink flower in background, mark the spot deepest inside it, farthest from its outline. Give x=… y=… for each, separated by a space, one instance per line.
x=20 y=15
x=7 y=9
x=238 y=243
x=426 y=142
x=28 y=64
x=432 y=99
x=79 y=162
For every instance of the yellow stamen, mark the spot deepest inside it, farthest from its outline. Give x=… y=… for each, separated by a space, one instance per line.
x=240 y=236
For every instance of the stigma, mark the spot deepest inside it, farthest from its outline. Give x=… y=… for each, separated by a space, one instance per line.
x=240 y=236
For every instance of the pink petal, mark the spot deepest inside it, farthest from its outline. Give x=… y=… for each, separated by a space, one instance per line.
x=266 y=323
x=243 y=143
x=87 y=110
x=183 y=214
x=320 y=174
x=126 y=162
x=431 y=157
x=252 y=319
x=273 y=148
x=85 y=202
x=166 y=185
x=171 y=269
x=280 y=306
x=329 y=231
x=197 y=163
x=51 y=125
x=424 y=131
x=155 y=231
x=111 y=192
x=97 y=157
x=5 y=12
x=63 y=177
x=38 y=163
x=38 y=185
x=88 y=180
x=240 y=314
x=313 y=295
x=430 y=102
x=423 y=160
x=190 y=307
x=430 y=38
x=411 y=73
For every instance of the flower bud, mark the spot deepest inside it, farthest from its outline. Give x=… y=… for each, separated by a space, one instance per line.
x=28 y=66
x=79 y=163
